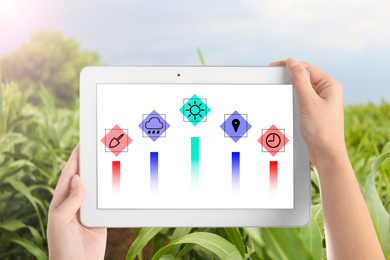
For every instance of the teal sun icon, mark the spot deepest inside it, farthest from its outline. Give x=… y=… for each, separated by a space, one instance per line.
x=194 y=110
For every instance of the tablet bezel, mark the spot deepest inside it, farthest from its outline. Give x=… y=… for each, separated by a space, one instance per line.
x=91 y=216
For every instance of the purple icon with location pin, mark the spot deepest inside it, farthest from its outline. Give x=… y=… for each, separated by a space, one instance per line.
x=236 y=126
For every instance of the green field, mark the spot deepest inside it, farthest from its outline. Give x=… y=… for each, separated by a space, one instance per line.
x=37 y=135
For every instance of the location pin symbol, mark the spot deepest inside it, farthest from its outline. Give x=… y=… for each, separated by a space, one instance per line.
x=235 y=124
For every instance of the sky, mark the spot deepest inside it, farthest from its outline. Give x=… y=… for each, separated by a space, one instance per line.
x=348 y=39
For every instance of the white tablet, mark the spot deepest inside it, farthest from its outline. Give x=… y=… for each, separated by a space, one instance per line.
x=192 y=147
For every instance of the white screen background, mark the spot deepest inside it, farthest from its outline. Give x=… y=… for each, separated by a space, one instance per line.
x=124 y=105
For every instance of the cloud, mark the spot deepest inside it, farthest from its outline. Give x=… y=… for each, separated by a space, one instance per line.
x=345 y=25
x=154 y=123
x=340 y=37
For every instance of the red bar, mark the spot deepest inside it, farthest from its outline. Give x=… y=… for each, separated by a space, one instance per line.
x=273 y=176
x=116 y=176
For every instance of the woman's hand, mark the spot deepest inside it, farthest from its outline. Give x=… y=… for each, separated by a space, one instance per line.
x=67 y=237
x=320 y=99
x=349 y=232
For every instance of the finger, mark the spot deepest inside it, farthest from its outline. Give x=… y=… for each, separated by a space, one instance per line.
x=63 y=186
x=72 y=203
x=301 y=81
x=316 y=75
x=278 y=63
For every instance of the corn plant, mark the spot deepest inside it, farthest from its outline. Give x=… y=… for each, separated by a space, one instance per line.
x=367 y=135
x=36 y=141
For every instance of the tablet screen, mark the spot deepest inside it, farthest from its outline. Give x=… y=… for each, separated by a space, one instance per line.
x=194 y=146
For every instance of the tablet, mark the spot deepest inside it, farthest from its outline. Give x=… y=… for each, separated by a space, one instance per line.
x=192 y=147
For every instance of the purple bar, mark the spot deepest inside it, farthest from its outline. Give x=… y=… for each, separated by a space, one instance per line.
x=235 y=172
x=154 y=172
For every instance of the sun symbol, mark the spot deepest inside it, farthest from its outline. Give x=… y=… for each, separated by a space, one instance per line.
x=195 y=110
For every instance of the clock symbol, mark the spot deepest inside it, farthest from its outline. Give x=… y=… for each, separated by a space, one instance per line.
x=273 y=140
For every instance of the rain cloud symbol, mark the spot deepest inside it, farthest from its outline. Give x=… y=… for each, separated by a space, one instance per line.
x=154 y=124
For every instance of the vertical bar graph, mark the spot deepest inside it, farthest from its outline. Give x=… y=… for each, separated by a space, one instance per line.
x=116 y=177
x=235 y=172
x=153 y=172
x=273 y=176
x=195 y=163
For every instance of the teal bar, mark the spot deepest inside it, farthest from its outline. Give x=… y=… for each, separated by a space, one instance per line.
x=195 y=163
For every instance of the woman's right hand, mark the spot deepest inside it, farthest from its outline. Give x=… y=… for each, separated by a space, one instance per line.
x=320 y=99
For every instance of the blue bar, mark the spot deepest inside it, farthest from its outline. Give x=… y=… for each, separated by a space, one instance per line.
x=235 y=172
x=154 y=172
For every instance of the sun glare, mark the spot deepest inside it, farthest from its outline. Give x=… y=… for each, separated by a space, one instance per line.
x=14 y=14
x=8 y=8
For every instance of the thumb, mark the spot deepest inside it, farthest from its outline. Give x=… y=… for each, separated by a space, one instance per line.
x=301 y=81
x=76 y=196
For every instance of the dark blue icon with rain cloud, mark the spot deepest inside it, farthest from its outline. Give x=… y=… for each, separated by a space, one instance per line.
x=154 y=125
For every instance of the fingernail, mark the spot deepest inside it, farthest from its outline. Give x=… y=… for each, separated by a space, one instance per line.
x=292 y=62
x=74 y=182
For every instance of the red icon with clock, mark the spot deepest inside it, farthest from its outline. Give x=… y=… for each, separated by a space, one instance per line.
x=273 y=140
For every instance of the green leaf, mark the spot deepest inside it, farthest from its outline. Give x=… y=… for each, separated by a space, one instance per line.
x=200 y=57
x=21 y=188
x=234 y=256
x=31 y=247
x=168 y=257
x=41 y=187
x=316 y=211
x=7 y=171
x=12 y=225
x=178 y=233
x=253 y=255
x=255 y=242
x=1 y=98
x=214 y=243
x=158 y=241
x=203 y=253
x=9 y=140
x=236 y=238
x=311 y=237
x=284 y=243
x=379 y=215
x=187 y=248
x=145 y=235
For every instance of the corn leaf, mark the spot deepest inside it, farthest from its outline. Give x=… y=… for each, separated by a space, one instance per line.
x=379 y=215
x=284 y=244
x=29 y=246
x=143 y=238
x=200 y=57
x=236 y=238
x=214 y=243
x=178 y=233
x=311 y=237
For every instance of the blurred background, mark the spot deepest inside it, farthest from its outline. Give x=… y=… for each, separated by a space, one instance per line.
x=44 y=45
x=348 y=39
